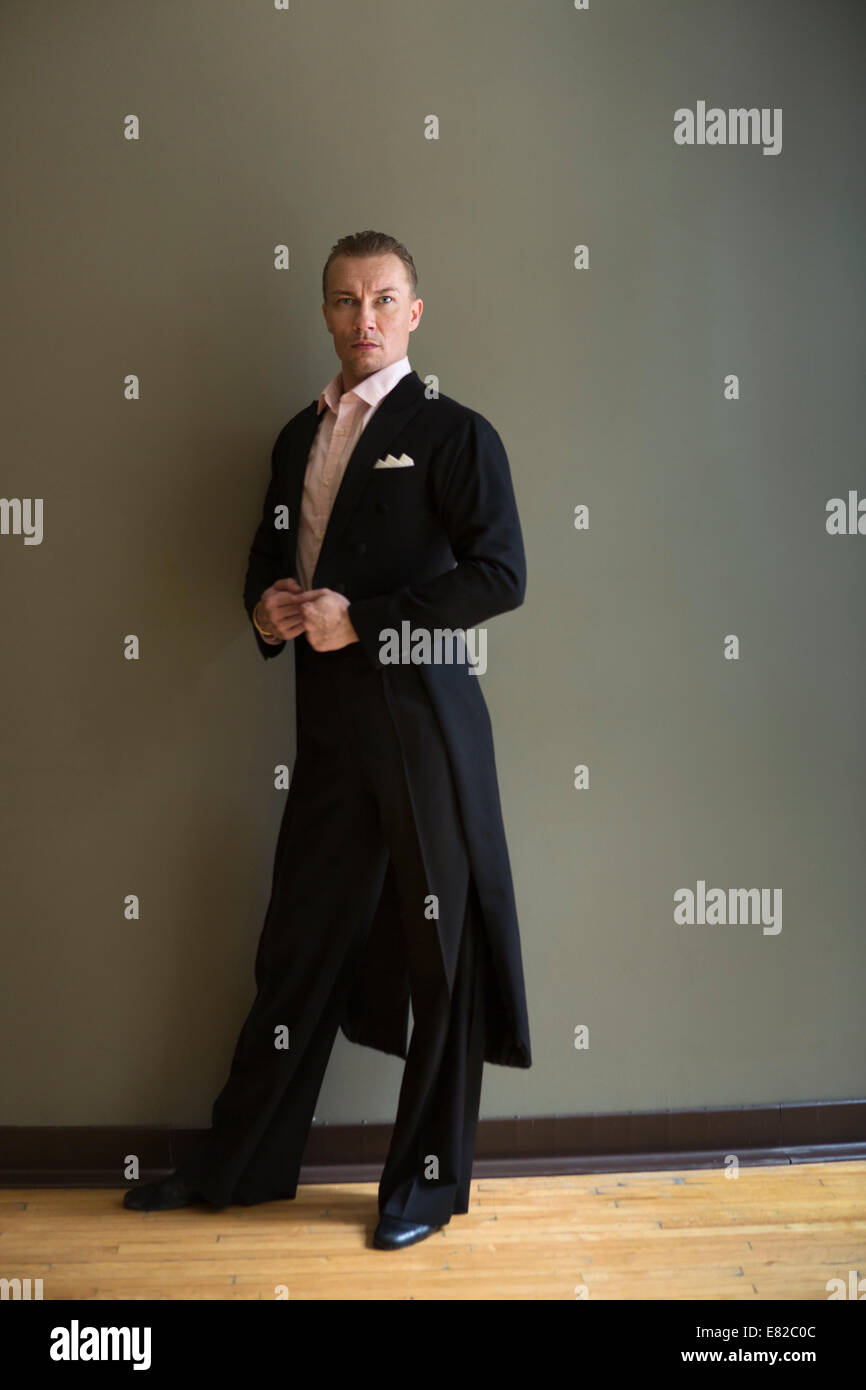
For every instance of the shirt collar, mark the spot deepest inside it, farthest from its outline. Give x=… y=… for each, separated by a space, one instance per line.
x=371 y=390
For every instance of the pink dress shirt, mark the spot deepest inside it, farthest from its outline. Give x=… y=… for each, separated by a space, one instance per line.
x=339 y=429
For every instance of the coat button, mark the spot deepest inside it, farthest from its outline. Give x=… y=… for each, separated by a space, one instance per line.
x=381 y=506
x=362 y=548
x=340 y=587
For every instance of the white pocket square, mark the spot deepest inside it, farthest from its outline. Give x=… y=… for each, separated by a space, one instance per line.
x=389 y=461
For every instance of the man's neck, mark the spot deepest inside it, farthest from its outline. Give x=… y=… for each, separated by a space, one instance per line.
x=344 y=387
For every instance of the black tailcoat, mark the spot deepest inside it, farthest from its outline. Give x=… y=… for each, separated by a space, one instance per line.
x=438 y=545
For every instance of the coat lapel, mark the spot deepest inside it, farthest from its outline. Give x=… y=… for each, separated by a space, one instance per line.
x=392 y=414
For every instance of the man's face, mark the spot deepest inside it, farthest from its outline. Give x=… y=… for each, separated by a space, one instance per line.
x=369 y=301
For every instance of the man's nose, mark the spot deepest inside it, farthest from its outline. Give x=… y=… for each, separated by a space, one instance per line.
x=365 y=317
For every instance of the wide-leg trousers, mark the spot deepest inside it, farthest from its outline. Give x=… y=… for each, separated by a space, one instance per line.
x=349 y=809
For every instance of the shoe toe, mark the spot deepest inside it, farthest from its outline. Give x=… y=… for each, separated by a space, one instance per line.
x=161 y=1195
x=392 y=1233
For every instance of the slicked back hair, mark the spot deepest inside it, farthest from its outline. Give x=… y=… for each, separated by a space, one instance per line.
x=371 y=243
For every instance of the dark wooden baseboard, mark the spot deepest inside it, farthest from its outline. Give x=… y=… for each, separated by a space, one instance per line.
x=798 y=1132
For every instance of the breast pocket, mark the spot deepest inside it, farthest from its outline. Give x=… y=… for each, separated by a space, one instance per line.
x=396 y=487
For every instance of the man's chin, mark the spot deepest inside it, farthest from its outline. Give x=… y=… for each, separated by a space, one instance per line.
x=365 y=361
x=362 y=364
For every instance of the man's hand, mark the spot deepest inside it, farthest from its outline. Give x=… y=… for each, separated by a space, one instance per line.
x=278 y=610
x=321 y=613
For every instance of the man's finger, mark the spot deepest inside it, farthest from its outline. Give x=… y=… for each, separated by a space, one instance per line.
x=285 y=602
x=289 y=627
x=289 y=583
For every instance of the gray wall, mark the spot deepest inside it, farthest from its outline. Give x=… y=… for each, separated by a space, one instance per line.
x=707 y=518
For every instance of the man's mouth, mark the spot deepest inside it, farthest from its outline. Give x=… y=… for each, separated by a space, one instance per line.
x=365 y=345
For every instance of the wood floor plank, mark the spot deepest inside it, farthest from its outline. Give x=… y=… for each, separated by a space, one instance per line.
x=773 y=1232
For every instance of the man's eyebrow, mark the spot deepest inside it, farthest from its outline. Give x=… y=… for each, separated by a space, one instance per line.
x=386 y=289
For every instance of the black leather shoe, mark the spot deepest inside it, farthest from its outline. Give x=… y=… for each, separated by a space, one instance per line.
x=162 y=1195
x=392 y=1233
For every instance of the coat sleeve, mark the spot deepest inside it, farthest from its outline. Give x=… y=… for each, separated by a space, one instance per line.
x=265 y=564
x=473 y=495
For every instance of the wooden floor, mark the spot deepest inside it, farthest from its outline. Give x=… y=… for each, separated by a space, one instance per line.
x=773 y=1232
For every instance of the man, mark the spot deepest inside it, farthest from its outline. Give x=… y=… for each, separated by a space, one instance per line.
x=388 y=513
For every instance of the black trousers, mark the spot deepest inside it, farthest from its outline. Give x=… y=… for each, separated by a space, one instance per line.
x=349 y=808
